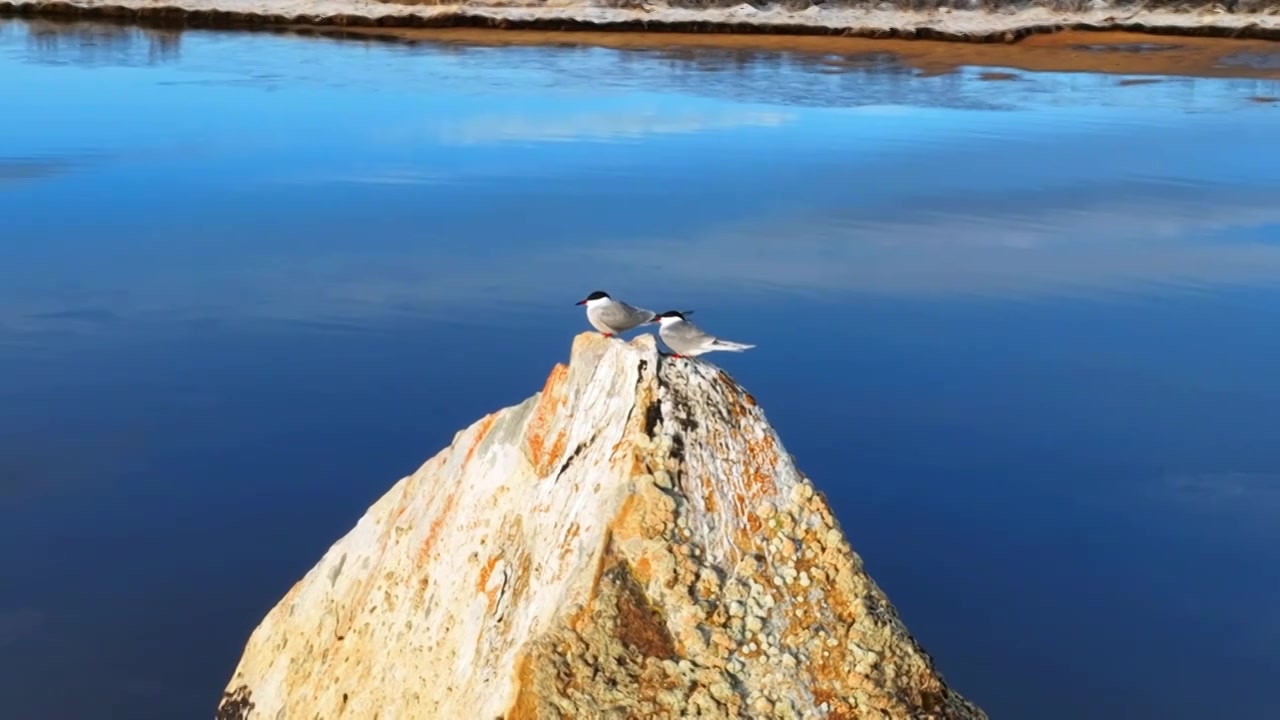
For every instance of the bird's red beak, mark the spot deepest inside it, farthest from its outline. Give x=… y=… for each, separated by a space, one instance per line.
x=581 y=302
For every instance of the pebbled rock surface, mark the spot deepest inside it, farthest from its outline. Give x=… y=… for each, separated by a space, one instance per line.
x=631 y=542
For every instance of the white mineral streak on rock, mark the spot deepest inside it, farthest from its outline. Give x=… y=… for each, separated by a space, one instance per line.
x=886 y=17
x=598 y=550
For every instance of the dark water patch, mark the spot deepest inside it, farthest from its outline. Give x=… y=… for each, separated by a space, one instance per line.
x=87 y=315
x=1129 y=82
x=95 y=43
x=1257 y=61
x=1238 y=497
x=14 y=170
x=1128 y=48
x=723 y=60
x=21 y=171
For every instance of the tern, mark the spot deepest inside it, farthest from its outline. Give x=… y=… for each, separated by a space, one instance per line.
x=688 y=340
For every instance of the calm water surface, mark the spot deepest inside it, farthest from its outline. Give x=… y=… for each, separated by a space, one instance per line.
x=1025 y=335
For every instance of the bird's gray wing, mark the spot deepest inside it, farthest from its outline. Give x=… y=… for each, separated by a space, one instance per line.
x=690 y=335
x=623 y=314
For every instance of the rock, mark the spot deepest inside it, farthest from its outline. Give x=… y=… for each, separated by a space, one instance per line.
x=631 y=542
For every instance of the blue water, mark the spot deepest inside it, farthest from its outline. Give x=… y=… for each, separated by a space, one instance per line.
x=1024 y=335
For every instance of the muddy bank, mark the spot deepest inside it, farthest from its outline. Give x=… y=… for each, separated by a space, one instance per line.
x=912 y=19
x=1114 y=53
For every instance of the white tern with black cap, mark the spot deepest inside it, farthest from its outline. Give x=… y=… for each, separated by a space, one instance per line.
x=688 y=340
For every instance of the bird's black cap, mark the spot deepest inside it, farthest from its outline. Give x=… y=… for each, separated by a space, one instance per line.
x=669 y=313
x=597 y=295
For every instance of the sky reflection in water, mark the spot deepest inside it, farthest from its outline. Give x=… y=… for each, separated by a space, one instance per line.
x=1023 y=334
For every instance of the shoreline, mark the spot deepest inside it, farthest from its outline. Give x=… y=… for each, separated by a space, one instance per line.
x=958 y=26
x=1109 y=52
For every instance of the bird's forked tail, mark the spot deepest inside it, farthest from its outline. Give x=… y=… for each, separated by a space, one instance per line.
x=732 y=346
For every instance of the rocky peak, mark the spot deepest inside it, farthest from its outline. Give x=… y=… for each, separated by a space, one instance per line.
x=631 y=542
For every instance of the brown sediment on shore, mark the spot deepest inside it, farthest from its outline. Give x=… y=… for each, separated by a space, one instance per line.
x=1114 y=52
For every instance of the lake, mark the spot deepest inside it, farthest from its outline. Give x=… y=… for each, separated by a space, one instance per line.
x=1022 y=328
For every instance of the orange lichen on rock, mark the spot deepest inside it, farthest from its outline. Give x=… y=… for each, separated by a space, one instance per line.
x=482 y=429
x=525 y=706
x=756 y=483
x=482 y=581
x=545 y=419
x=641 y=516
x=644 y=569
x=433 y=530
